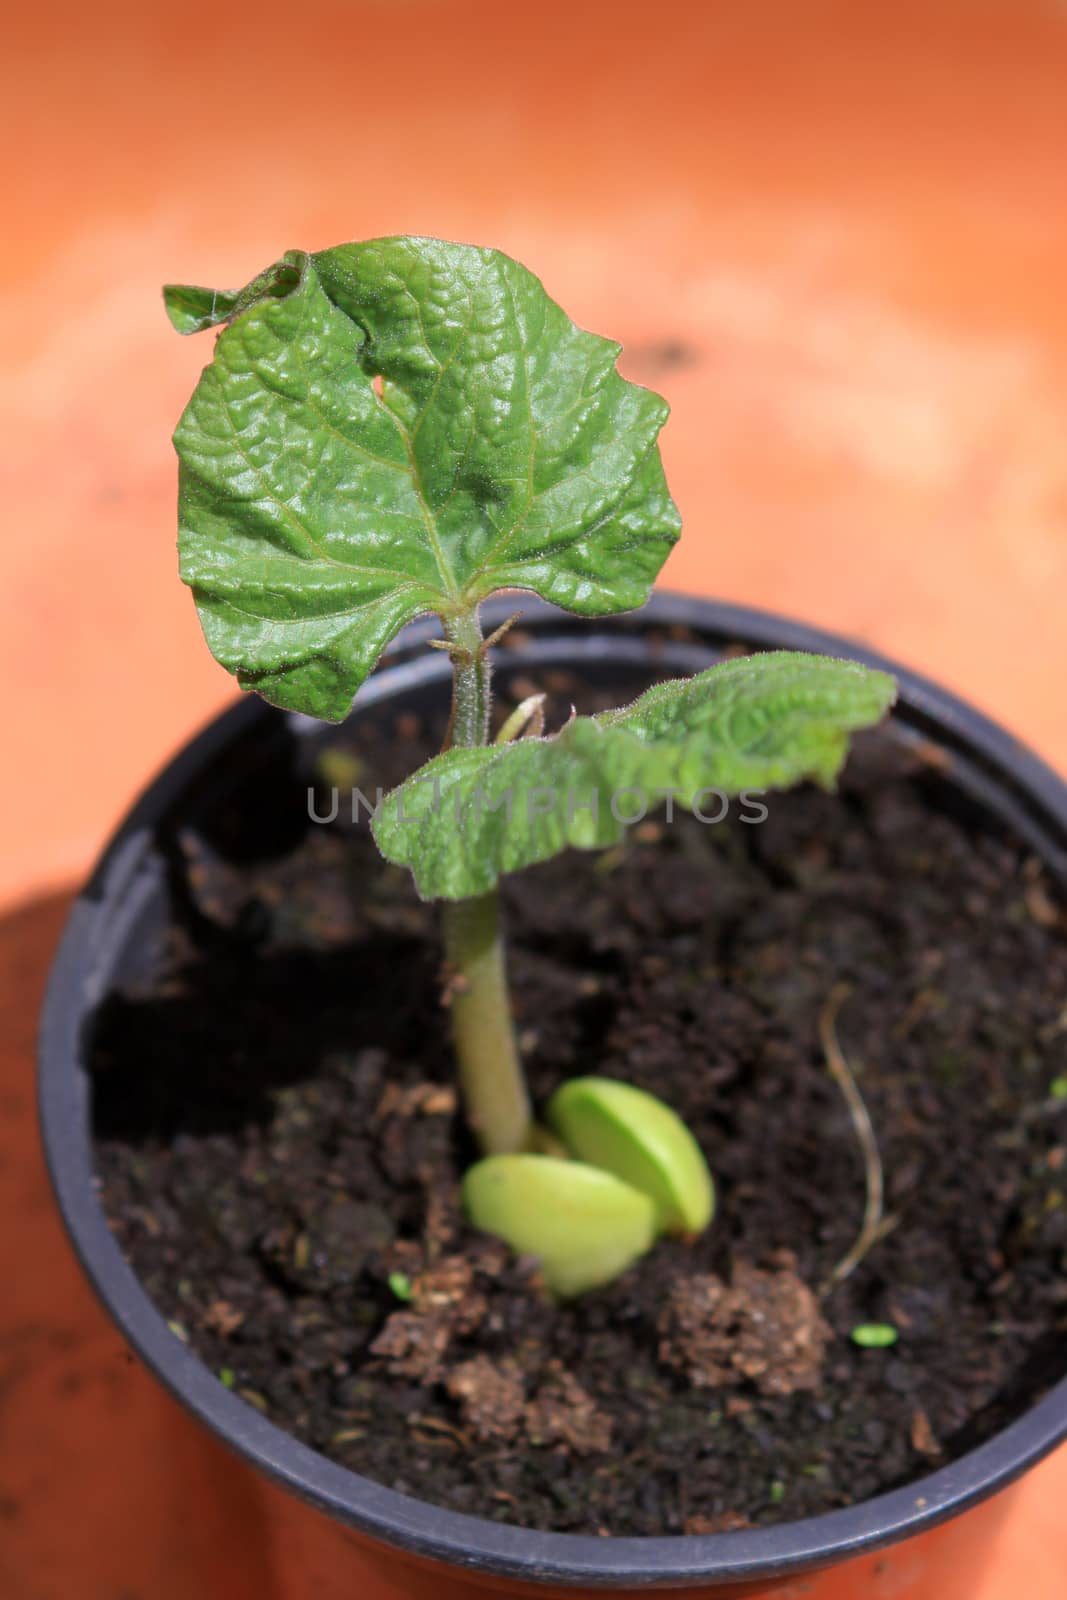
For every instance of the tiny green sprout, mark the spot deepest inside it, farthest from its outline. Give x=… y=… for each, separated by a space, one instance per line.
x=583 y=1225
x=400 y=1284
x=874 y=1335
x=1058 y=1088
x=635 y=1136
x=389 y=430
x=227 y=1377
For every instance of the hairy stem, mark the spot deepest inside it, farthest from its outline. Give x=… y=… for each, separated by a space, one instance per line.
x=490 y=1072
x=469 y=724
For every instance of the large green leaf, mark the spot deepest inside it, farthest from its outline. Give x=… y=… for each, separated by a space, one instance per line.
x=321 y=509
x=756 y=723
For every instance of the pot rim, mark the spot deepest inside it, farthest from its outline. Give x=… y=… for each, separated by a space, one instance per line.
x=1032 y=794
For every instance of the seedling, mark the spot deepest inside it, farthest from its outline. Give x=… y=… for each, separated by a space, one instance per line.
x=404 y=427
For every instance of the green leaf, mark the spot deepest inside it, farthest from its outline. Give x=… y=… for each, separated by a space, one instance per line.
x=318 y=515
x=756 y=723
x=191 y=309
x=584 y=1226
x=631 y=1134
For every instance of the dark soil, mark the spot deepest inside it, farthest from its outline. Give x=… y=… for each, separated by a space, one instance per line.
x=279 y=1150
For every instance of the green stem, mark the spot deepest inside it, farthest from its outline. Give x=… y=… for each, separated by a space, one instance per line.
x=470 y=681
x=490 y=1072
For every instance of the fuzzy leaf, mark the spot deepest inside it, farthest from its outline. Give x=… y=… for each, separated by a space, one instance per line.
x=627 y=1132
x=759 y=722
x=191 y=308
x=584 y=1226
x=318 y=515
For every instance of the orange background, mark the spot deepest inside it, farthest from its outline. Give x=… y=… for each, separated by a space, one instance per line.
x=834 y=235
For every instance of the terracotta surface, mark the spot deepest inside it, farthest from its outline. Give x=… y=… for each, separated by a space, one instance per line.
x=834 y=235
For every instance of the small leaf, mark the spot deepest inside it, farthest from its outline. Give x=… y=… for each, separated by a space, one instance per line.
x=320 y=512
x=400 y=1284
x=874 y=1335
x=583 y=1225
x=625 y=1131
x=756 y=723
x=192 y=309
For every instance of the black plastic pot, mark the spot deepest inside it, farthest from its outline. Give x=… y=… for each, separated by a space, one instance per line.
x=344 y=1535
